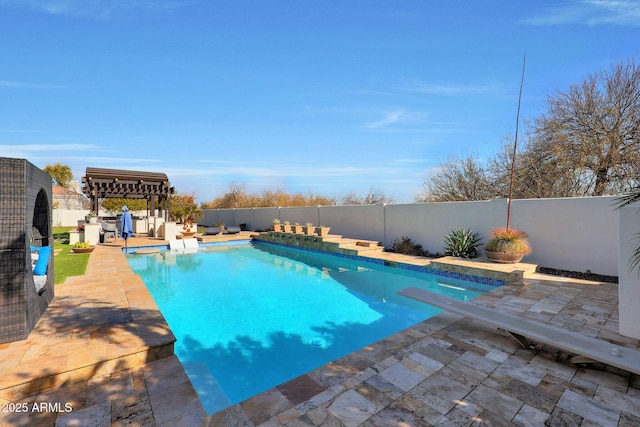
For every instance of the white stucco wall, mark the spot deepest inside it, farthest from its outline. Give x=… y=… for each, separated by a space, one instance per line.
x=577 y=234
x=428 y=223
x=362 y=221
x=581 y=232
x=302 y=215
x=629 y=280
x=71 y=217
x=263 y=217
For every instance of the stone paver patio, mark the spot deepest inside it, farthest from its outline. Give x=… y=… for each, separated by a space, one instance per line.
x=102 y=355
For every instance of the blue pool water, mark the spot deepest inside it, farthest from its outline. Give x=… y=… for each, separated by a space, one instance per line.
x=250 y=317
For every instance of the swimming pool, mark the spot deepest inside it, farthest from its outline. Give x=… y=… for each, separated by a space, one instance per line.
x=250 y=317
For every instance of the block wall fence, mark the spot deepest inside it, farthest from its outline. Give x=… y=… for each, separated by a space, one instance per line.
x=576 y=234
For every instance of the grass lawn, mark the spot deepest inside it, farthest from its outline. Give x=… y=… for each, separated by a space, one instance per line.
x=65 y=262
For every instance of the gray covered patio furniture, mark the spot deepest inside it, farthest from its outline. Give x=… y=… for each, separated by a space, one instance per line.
x=108 y=230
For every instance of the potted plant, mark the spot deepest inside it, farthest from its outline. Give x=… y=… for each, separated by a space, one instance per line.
x=296 y=228
x=82 y=248
x=275 y=225
x=286 y=227
x=185 y=209
x=507 y=245
x=188 y=228
x=309 y=228
x=322 y=230
x=92 y=217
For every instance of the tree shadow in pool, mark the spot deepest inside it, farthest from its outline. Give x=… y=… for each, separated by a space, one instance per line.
x=245 y=367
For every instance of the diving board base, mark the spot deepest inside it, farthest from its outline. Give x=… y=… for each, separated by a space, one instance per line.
x=585 y=349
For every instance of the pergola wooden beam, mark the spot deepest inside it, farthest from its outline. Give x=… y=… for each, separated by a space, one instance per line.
x=125 y=184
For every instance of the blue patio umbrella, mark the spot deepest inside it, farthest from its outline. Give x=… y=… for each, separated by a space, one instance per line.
x=125 y=225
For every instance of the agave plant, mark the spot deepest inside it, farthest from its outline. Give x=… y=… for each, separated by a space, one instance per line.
x=462 y=243
x=508 y=240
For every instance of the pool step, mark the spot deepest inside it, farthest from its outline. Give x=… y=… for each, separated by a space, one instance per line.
x=482 y=267
x=331 y=243
x=362 y=248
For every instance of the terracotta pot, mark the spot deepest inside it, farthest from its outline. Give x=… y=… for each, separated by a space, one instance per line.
x=286 y=228
x=83 y=250
x=276 y=227
x=188 y=234
x=504 y=257
x=322 y=231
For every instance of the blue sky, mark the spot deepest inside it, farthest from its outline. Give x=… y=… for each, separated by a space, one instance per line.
x=327 y=97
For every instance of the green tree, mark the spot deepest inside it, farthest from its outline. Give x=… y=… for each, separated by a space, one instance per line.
x=184 y=207
x=60 y=173
x=115 y=205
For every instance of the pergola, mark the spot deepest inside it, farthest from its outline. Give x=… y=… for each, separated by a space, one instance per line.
x=125 y=184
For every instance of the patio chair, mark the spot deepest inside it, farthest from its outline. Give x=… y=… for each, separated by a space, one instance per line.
x=232 y=230
x=190 y=245
x=176 y=245
x=213 y=230
x=107 y=230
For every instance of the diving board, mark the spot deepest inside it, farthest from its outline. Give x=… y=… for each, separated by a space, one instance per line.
x=586 y=348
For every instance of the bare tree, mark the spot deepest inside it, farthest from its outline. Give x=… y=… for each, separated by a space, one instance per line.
x=375 y=196
x=586 y=144
x=537 y=173
x=231 y=199
x=238 y=197
x=593 y=130
x=458 y=180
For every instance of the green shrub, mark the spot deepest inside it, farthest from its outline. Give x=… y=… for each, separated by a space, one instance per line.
x=461 y=243
x=406 y=246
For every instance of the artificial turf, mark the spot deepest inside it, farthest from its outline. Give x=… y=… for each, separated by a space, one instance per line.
x=65 y=262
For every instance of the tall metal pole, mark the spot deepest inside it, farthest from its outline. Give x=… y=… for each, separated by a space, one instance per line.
x=515 y=145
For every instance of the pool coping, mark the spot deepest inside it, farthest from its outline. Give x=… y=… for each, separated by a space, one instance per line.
x=321 y=396
x=489 y=281
x=454 y=370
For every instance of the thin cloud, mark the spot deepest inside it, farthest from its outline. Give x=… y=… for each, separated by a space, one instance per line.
x=419 y=86
x=27 y=85
x=409 y=161
x=50 y=153
x=115 y=162
x=290 y=171
x=590 y=12
x=389 y=118
x=102 y=9
x=11 y=149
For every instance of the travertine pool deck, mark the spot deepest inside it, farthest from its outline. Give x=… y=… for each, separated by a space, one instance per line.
x=447 y=370
x=102 y=354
